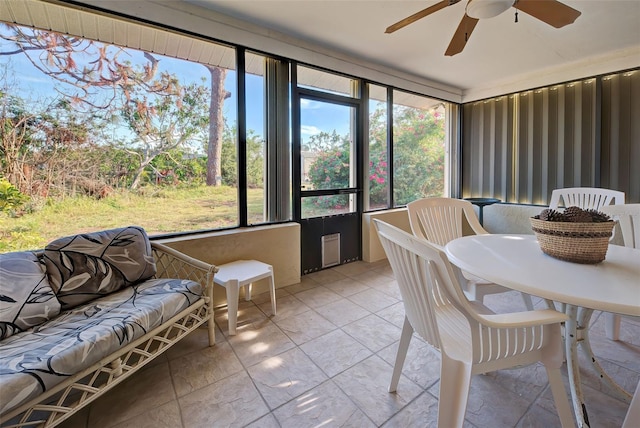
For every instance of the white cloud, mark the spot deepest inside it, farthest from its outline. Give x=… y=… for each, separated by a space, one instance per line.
x=309 y=130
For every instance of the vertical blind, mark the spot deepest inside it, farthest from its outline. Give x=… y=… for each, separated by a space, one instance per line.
x=519 y=147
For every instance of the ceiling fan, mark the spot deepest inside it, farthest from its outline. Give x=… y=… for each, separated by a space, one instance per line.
x=552 y=12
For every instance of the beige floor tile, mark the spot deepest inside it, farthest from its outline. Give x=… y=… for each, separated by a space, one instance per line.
x=287 y=306
x=254 y=346
x=197 y=370
x=318 y=296
x=368 y=390
x=304 y=327
x=165 y=416
x=323 y=406
x=326 y=276
x=231 y=402
x=260 y=298
x=490 y=404
x=373 y=300
x=150 y=388
x=250 y=317
x=342 y=312
x=78 y=420
x=335 y=352
x=284 y=377
x=306 y=283
x=538 y=417
x=353 y=269
x=421 y=365
x=373 y=278
x=393 y=314
x=421 y=412
x=267 y=421
x=196 y=341
x=388 y=287
x=373 y=332
x=325 y=358
x=346 y=287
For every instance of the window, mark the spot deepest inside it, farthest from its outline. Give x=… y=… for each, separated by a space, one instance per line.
x=180 y=134
x=418 y=147
x=104 y=136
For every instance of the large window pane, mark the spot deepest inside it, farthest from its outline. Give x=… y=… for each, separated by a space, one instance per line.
x=105 y=136
x=418 y=147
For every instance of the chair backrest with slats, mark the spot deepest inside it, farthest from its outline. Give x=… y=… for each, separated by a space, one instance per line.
x=440 y=220
x=585 y=197
x=426 y=280
x=628 y=216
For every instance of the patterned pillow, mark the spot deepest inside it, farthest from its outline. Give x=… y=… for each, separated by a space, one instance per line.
x=26 y=298
x=87 y=266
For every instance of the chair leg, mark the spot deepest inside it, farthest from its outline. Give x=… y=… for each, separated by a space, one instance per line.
x=403 y=346
x=272 y=284
x=471 y=291
x=612 y=326
x=247 y=292
x=455 y=379
x=560 y=397
x=527 y=301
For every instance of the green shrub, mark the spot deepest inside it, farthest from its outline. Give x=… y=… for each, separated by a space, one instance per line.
x=11 y=199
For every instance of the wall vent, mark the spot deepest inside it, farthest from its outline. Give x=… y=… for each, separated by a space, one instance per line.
x=330 y=250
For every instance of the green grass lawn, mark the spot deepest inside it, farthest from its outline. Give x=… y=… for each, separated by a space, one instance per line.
x=158 y=210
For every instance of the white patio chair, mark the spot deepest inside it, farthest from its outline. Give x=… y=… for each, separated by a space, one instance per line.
x=594 y=198
x=440 y=220
x=471 y=339
x=628 y=216
x=585 y=197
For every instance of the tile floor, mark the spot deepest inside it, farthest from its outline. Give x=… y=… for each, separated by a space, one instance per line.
x=325 y=360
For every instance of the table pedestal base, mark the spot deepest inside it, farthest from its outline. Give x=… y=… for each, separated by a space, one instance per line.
x=577 y=333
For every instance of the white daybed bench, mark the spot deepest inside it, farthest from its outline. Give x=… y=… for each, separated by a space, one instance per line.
x=86 y=313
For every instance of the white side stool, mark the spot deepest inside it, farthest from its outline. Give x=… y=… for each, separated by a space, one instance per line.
x=242 y=273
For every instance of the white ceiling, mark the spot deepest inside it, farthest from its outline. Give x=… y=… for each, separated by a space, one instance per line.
x=501 y=56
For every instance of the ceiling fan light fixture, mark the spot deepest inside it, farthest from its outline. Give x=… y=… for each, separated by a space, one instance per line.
x=483 y=9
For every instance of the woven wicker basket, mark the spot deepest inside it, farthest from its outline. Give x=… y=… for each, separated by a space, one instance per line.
x=573 y=242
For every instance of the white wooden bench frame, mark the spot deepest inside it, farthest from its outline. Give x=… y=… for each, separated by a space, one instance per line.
x=61 y=402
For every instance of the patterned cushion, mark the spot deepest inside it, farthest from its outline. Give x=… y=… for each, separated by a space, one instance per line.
x=26 y=298
x=84 y=267
x=38 y=360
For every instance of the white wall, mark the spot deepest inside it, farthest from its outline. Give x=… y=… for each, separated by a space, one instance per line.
x=372 y=250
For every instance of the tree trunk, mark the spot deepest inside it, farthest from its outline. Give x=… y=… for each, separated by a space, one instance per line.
x=216 y=125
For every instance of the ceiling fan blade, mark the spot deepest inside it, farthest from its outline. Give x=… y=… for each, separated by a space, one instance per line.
x=419 y=15
x=552 y=12
x=462 y=35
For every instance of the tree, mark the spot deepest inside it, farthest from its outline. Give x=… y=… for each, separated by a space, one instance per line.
x=16 y=127
x=35 y=137
x=93 y=75
x=165 y=122
x=216 y=125
x=255 y=159
x=331 y=168
x=418 y=156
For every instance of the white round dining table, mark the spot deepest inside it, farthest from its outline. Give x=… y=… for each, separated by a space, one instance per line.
x=517 y=262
